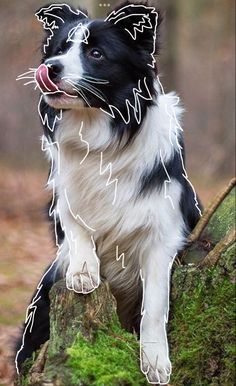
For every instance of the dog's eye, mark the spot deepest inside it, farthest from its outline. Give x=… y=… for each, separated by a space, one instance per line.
x=95 y=54
x=59 y=51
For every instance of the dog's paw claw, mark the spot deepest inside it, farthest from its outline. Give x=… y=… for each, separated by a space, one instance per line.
x=82 y=282
x=156 y=368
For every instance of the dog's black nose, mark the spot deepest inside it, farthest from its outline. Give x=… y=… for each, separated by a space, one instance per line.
x=55 y=69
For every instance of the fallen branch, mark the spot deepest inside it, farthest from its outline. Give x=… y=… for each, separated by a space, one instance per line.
x=36 y=371
x=213 y=256
x=195 y=235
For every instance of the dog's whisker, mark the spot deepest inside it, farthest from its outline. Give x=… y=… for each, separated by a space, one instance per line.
x=95 y=90
x=87 y=78
x=73 y=85
x=92 y=92
x=92 y=77
x=86 y=88
x=90 y=89
x=84 y=97
x=80 y=92
x=96 y=80
x=31 y=81
x=25 y=77
x=26 y=73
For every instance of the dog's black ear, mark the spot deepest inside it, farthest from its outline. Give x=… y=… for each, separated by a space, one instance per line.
x=55 y=15
x=140 y=21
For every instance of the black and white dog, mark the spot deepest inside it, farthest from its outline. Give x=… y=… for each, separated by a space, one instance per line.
x=122 y=205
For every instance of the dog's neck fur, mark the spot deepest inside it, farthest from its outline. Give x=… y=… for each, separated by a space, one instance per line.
x=156 y=134
x=86 y=151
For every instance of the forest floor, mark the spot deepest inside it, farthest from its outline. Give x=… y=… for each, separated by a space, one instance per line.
x=26 y=248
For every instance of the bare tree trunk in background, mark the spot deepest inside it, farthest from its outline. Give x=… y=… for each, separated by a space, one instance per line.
x=169 y=52
x=205 y=70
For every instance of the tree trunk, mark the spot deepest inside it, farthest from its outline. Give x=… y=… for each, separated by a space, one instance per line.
x=87 y=346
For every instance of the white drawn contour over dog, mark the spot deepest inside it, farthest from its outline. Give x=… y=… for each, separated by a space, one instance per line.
x=107 y=225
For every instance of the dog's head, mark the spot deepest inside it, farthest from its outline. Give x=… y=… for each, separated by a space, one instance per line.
x=97 y=63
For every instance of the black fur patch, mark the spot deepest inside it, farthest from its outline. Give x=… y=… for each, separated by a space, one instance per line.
x=39 y=333
x=126 y=62
x=155 y=179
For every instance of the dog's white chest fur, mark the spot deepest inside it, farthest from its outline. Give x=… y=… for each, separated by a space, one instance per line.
x=98 y=184
x=111 y=229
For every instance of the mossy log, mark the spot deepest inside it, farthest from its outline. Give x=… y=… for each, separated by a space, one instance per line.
x=202 y=318
x=87 y=346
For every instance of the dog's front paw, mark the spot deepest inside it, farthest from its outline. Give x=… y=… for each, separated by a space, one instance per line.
x=155 y=363
x=82 y=281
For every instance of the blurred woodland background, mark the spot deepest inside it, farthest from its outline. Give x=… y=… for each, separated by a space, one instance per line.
x=197 y=60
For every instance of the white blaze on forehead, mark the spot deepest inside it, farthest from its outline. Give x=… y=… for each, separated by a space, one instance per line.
x=79 y=34
x=71 y=60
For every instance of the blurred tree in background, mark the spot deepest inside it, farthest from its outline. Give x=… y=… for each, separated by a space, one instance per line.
x=197 y=61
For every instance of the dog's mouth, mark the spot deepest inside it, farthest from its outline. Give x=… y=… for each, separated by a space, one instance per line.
x=57 y=95
x=48 y=87
x=43 y=80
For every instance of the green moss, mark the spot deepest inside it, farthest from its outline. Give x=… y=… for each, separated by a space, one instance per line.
x=110 y=359
x=202 y=326
x=23 y=379
x=223 y=220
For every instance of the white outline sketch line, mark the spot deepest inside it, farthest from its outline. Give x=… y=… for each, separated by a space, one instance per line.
x=178 y=126
x=49 y=92
x=116 y=14
x=90 y=79
x=79 y=91
x=72 y=288
x=106 y=168
x=77 y=87
x=120 y=257
x=74 y=31
x=28 y=75
x=83 y=140
x=30 y=314
x=166 y=317
x=32 y=308
x=168 y=181
x=53 y=211
x=77 y=217
x=45 y=119
x=137 y=93
x=37 y=85
x=51 y=26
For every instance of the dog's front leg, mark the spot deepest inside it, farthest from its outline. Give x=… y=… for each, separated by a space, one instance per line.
x=155 y=271
x=83 y=274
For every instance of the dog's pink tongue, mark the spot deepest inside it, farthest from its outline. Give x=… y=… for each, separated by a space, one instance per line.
x=44 y=82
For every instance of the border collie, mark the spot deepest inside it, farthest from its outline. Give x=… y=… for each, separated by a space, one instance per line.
x=122 y=202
